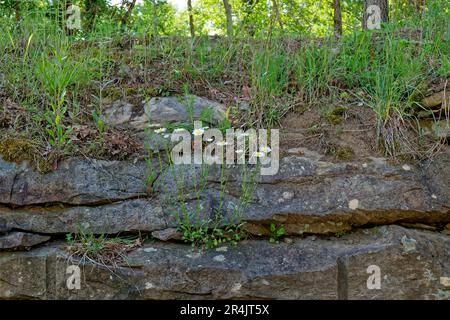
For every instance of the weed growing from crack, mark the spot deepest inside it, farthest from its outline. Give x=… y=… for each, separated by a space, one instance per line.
x=100 y=249
x=276 y=232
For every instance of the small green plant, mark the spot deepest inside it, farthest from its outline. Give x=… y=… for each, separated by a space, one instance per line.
x=70 y=239
x=58 y=133
x=99 y=122
x=56 y=73
x=210 y=238
x=276 y=232
x=207 y=115
x=100 y=249
x=340 y=234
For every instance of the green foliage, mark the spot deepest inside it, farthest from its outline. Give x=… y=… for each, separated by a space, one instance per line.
x=85 y=244
x=56 y=74
x=276 y=232
x=204 y=236
x=340 y=234
x=166 y=18
x=99 y=122
x=185 y=197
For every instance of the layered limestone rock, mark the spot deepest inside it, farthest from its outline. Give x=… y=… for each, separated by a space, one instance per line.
x=307 y=196
x=21 y=240
x=379 y=263
x=74 y=182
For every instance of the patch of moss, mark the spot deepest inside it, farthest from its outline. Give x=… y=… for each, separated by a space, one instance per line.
x=113 y=93
x=341 y=152
x=301 y=108
x=340 y=234
x=336 y=115
x=18 y=150
x=129 y=91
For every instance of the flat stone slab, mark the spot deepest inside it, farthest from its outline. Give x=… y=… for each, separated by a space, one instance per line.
x=379 y=263
x=311 y=196
x=21 y=240
x=76 y=181
x=306 y=196
x=162 y=110
x=124 y=216
x=184 y=109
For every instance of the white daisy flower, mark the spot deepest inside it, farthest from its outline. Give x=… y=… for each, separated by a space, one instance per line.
x=239 y=151
x=259 y=154
x=198 y=132
x=265 y=149
x=160 y=130
x=222 y=143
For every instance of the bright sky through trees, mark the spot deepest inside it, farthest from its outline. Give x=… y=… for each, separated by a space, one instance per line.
x=179 y=4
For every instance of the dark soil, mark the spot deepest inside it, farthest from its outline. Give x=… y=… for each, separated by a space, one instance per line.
x=339 y=133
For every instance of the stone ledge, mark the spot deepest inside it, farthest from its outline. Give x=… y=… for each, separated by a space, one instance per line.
x=411 y=263
x=307 y=196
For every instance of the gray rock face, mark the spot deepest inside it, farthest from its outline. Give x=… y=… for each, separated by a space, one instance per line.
x=8 y=174
x=160 y=110
x=20 y=240
x=311 y=196
x=437 y=177
x=306 y=196
x=133 y=215
x=76 y=181
x=181 y=109
x=302 y=269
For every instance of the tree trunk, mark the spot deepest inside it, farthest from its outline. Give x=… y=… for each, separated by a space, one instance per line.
x=65 y=16
x=91 y=8
x=248 y=10
x=155 y=20
x=337 y=18
x=277 y=13
x=375 y=12
x=228 y=12
x=191 y=18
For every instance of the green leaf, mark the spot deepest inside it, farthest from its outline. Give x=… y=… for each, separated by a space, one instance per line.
x=280 y=232
x=272 y=227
